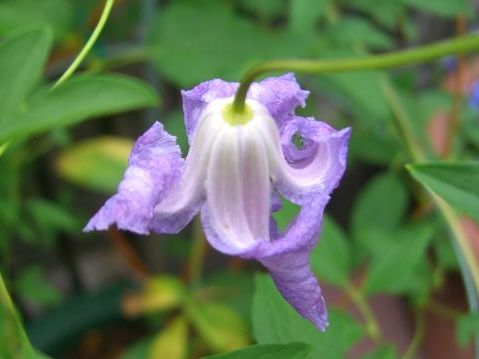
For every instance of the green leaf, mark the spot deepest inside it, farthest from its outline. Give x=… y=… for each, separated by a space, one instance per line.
x=15 y=14
x=353 y=31
x=286 y=214
x=51 y=218
x=446 y=8
x=380 y=205
x=219 y=325
x=276 y=322
x=171 y=342
x=14 y=343
x=80 y=98
x=384 y=352
x=224 y=44
x=303 y=14
x=97 y=163
x=332 y=258
x=33 y=287
x=386 y=13
x=138 y=350
x=395 y=270
x=364 y=92
x=22 y=57
x=467 y=326
x=265 y=9
x=268 y=351
x=158 y=293
x=455 y=182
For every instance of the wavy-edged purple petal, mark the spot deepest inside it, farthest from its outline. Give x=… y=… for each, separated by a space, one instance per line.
x=281 y=95
x=293 y=277
x=236 y=216
x=196 y=99
x=188 y=194
x=154 y=165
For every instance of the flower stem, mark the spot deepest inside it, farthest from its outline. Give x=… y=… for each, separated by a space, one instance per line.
x=411 y=56
x=198 y=251
x=89 y=44
x=417 y=338
x=372 y=326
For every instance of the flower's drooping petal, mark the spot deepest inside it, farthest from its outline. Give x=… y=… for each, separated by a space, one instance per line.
x=154 y=165
x=292 y=275
x=236 y=217
x=187 y=195
x=196 y=99
x=316 y=167
x=281 y=95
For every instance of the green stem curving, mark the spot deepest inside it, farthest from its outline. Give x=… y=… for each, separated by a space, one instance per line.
x=89 y=44
x=463 y=44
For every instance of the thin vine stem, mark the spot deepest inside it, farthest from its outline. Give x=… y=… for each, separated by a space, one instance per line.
x=89 y=44
x=463 y=44
x=372 y=325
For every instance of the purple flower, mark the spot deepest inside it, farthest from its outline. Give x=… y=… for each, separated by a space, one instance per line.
x=236 y=168
x=474 y=96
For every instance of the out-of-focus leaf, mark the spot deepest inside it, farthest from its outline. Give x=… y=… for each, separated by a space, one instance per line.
x=385 y=352
x=268 y=351
x=174 y=125
x=224 y=44
x=446 y=8
x=467 y=326
x=332 y=259
x=219 y=326
x=22 y=57
x=303 y=14
x=380 y=205
x=33 y=286
x=3 y=148
x=386 y=13
x=350 y=31
x=394 y=270
x=159 y=293
x=276 y=322
x=171 y=342
x=15 y=14
x=14 y=342
x=455 y=182
x=83 y=311
x=139 y=350
x=96 y=163
x=266 y=9
x=51 y=218
x=445 y=253
x=372 y=145
x=233 y=288
x=363 y=90
x=80 y=98
x=286 y=214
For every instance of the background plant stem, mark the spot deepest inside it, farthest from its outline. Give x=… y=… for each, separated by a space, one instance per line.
x=89 y=44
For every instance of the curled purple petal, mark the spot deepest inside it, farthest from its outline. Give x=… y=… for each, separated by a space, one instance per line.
x=154 y=165
x=294 y=279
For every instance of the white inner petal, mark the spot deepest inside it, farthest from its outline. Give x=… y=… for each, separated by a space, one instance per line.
x=191 y=186
x=238 y=187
